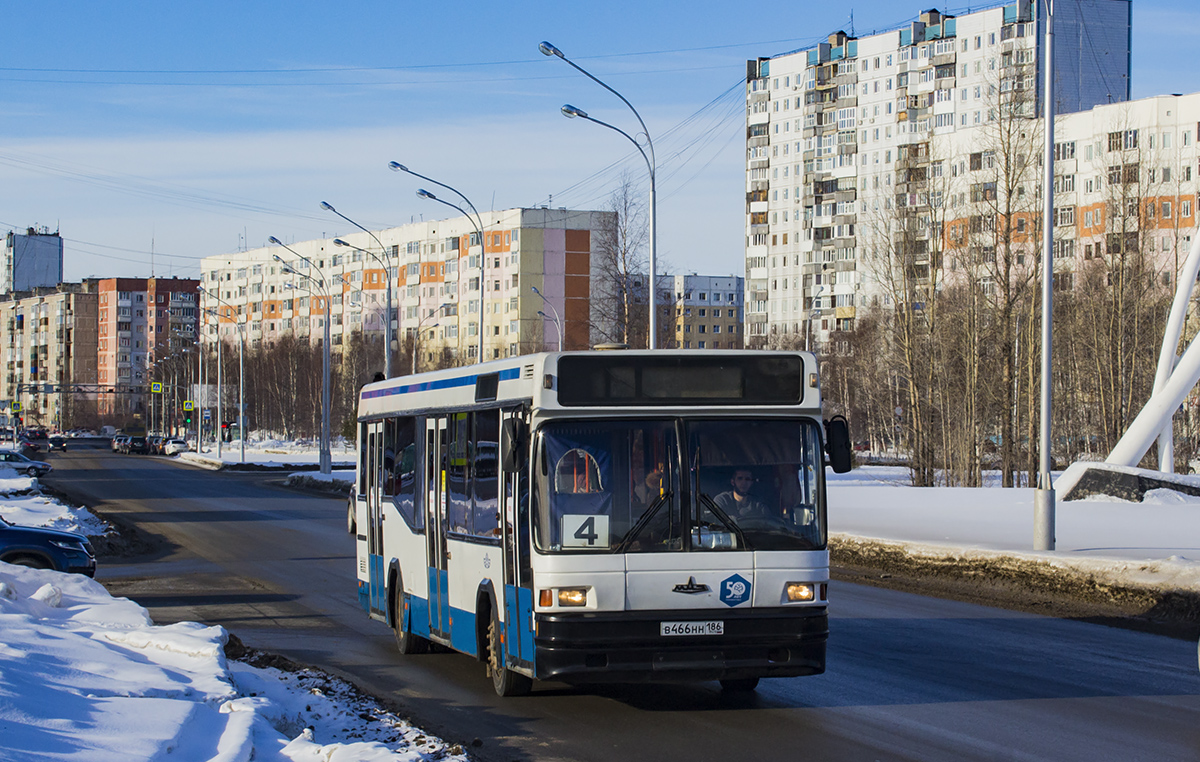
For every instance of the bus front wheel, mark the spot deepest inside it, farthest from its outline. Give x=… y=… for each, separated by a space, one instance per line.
x=406 y=642
x=505 y=681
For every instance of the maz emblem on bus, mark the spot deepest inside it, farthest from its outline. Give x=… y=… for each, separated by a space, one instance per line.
x=691 y=588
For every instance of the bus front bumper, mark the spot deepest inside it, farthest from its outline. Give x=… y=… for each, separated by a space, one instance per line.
x=628 y=646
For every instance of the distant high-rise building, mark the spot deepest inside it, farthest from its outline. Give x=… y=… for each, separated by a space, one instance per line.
x=857 y=142
x=48 y=341
x=141 y=321
x=33 y=259
x=448 y=285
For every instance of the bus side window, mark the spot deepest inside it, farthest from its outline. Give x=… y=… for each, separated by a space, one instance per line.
x=485 y=480
x=362 y=459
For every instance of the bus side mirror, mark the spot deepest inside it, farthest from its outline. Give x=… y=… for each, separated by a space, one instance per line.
x=516 y=435
x=837 y=444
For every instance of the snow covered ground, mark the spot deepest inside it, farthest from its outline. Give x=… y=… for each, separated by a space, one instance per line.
x=1155 y=543
x=273 y=454
x=84 y=675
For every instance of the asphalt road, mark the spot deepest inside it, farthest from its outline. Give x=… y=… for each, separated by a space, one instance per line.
x=908 y=677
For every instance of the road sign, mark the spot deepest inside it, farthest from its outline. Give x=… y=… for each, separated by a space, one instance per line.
x=15 y=407
x=156 y=387
x=207 y=414
x=189 y=406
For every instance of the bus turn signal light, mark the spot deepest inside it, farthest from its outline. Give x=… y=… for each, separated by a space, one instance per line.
x=800 y=591
x=545 y=598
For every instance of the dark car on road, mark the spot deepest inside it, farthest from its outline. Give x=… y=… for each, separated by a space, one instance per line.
x=22 y=464
x=137 y=445
x=26 y=448
x=46 y=549
x=58 y=443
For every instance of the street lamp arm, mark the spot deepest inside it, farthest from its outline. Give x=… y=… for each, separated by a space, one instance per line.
x=320 y=282
x=400 y=167
x=549 y=49
x=329 y=207
x=649 y=159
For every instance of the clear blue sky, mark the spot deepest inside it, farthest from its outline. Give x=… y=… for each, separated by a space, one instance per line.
x=203 y=127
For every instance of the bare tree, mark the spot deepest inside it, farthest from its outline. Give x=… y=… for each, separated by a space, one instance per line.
x=618 y=291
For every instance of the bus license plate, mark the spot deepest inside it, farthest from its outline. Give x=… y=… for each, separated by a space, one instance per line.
x=691 y=628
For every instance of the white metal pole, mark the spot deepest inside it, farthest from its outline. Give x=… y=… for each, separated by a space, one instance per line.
x=220 y=425
x=1043 y=501
x=242 y=389
x=1184 y=283
x=326 y=460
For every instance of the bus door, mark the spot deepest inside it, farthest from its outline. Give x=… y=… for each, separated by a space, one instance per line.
x=436 y=525
x=518 y=571
x=374 y=528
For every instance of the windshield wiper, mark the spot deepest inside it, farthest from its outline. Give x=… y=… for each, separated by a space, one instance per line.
x=723 y=517
x=640 y=526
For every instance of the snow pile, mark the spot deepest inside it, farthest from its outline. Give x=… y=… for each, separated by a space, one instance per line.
x=38 y=510
x=12 y=483
x=85 y=675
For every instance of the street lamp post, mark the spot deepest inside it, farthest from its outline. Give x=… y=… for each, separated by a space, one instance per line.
x=326 y=464
x=1043 y=496
x=555 y=320
x=477 y=223
x=387 y=274
x=812 y=313
x=572 y=112
x=439 y=312
x=241 y=378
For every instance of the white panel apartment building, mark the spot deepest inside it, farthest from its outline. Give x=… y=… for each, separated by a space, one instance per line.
x=436 y=272
x=833 y=129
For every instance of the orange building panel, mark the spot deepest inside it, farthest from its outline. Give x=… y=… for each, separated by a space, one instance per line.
x=579 y=241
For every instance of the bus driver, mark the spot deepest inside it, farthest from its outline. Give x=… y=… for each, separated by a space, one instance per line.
x=737 y=502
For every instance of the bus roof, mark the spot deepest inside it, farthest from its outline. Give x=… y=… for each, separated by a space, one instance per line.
x=642 y=379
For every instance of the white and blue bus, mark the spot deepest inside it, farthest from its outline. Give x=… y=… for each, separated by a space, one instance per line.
x=590 y=517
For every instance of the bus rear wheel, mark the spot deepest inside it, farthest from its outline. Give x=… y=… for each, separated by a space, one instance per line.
x=505 y=681
x=406 y=642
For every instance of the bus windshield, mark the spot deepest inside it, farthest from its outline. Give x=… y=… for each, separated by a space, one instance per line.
x=680 y=485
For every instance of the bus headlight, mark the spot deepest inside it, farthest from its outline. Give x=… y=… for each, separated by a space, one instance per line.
x=800 y=591
x=572 y=596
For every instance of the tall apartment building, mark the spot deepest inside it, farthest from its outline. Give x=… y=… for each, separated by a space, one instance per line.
x=1126 y=180
x=843 y=135
x=33 y=259
x=438 y=269
x=140 y=321
x=49 y=345
x=708 y=311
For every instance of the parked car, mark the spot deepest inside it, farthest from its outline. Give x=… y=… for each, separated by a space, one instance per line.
x=58 y=443
x=154 y=444
x=118 y=443
x=46 y=549
x=22 y=464
x=137 y=445
x=174 y=447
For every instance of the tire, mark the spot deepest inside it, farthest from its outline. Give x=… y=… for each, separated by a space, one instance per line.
x=407 y=643
x=740 y=685
x=31 y=562
x=506 y=682
x=351 y=525
x=31 y=471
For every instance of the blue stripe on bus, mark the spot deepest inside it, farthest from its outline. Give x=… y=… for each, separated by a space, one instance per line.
x=509 y=374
